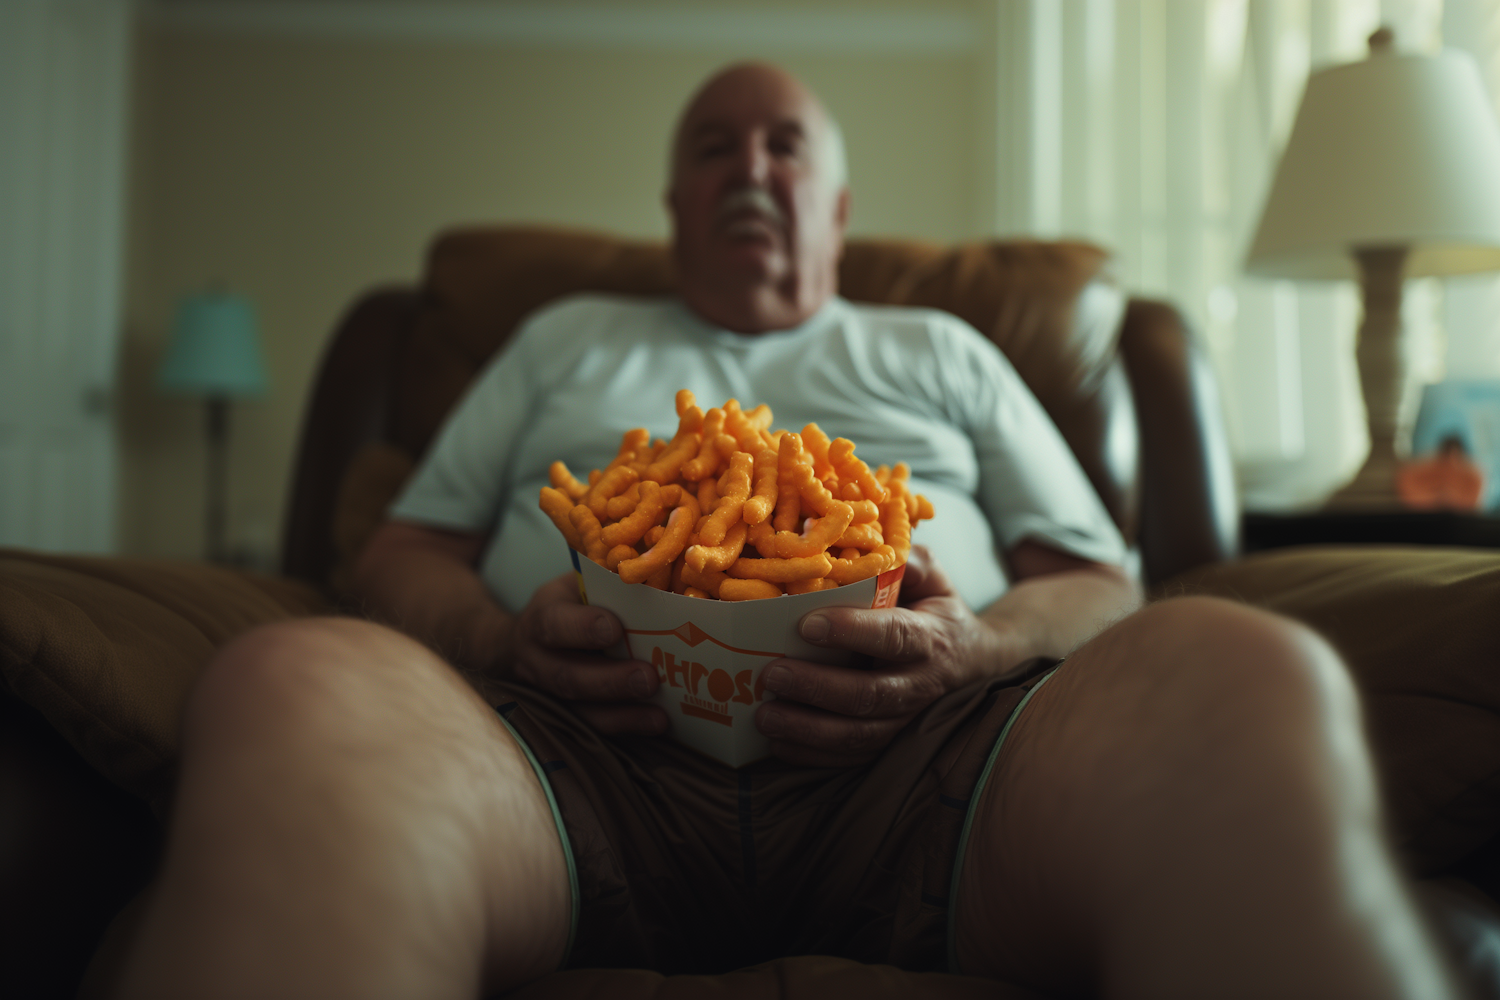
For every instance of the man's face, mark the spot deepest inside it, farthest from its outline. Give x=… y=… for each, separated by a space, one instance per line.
x=757 y=203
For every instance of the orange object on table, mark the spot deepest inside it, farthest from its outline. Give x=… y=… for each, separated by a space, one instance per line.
x=1448 y=480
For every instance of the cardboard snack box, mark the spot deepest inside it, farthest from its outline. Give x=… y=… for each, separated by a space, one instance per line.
x=710 y=654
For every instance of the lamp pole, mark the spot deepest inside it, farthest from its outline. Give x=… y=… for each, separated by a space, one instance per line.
x=1383 y=369
x=217 y=410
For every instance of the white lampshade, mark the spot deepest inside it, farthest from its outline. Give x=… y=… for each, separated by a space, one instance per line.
x=1391 y=151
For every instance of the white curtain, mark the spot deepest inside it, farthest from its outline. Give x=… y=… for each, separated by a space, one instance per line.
x=1153 y=126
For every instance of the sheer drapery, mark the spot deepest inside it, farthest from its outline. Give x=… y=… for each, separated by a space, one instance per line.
x=1153 y=126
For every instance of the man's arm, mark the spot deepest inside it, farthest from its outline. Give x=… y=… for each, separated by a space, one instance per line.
x=423 y=581
x=932 y=644
x=1057 y=602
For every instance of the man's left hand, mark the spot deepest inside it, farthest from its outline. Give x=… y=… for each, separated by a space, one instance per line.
x=826 y=716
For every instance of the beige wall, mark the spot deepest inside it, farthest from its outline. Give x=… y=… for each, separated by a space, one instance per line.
x=302 y=170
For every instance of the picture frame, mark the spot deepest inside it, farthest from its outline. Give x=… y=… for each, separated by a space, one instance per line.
x=1468 y=410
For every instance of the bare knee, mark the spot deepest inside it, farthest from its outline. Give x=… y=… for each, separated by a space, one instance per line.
x=278 y=676
x=1233 y=655
x=1202 y=693
x=1220 y=626
x=299 y=640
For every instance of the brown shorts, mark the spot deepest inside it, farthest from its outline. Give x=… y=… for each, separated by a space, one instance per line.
x=686 y=865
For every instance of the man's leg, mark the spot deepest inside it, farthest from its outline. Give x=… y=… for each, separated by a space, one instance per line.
x=1187 y=809
x=351 y=820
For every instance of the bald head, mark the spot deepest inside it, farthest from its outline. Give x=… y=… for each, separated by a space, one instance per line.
x=753 y=75
x=758 y=200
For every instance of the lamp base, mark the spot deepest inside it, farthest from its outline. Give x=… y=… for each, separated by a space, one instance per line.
x=1373 y=488
x=1382 y=379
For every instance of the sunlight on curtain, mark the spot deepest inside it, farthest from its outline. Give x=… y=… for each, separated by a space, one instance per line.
x=1153 y=127
x=1472 y=304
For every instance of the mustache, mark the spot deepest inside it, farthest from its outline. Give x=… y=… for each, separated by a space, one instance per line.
x=754 y=199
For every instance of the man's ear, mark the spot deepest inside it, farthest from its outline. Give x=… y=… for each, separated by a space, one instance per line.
x=669 y=202
x=841 y=218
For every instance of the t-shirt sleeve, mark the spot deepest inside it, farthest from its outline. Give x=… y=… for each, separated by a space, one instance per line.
x=1030 y=483
x=463 y=480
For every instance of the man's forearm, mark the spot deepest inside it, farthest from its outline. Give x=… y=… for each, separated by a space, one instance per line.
x=423 y=584
x=1055 y=613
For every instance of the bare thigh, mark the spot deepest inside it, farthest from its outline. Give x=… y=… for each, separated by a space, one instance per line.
x=349 y=804
x=1200 y=745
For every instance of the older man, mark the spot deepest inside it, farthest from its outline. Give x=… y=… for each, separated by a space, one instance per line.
x=1183 y=808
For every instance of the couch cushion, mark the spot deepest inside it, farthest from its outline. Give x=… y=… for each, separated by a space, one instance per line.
x=106 y=649
x=1420 y=630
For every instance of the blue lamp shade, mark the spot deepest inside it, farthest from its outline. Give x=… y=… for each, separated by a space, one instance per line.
x=215 y=349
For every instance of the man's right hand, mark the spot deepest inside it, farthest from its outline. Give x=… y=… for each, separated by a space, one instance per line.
x=423 y=581
x=557 y=644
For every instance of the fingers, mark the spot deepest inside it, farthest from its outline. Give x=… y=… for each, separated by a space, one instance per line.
x=558 y=639
x=584 y=677
x=858 y=694
x=556 y=618
x=808 y=736
x=900 y=635
x=573 y=626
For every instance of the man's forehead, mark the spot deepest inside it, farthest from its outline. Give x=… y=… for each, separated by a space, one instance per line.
x=758 y=95
x=720 y=124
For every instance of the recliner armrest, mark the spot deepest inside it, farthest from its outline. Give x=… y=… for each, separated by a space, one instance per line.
x=107 y=649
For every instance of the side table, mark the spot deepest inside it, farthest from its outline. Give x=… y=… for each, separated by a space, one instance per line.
x=1271 y=531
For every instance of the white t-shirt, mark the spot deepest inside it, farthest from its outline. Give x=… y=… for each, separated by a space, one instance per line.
x=912 y=385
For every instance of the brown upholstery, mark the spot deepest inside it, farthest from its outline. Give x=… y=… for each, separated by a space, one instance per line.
x=97 y=655
x=96 y=659
x=106 y=649
x=350 y=407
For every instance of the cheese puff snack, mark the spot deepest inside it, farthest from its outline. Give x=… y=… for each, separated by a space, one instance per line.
x=729 y=509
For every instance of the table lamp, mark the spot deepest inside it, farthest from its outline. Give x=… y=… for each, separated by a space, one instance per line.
x=215 y=353
x=1392 y=171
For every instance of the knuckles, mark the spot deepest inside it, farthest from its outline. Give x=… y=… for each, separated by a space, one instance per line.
x=869 y=694
x=559 y=627
x=904 y=694
x=904 y=636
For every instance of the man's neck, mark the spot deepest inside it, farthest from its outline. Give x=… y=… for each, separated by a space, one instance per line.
x=758 y=309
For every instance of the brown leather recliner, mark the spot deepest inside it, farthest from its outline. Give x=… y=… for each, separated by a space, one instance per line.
x=98 y=654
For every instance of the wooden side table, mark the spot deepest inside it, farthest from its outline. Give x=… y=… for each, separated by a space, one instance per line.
x=1272 y=531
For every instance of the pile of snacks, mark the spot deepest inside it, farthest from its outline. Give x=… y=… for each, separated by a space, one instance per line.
x=731 y=510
